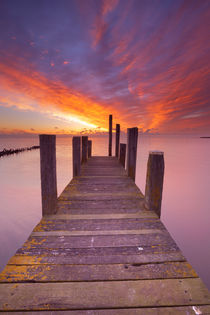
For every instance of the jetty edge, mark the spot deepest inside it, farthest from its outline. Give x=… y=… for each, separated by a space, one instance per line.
x=100 y=247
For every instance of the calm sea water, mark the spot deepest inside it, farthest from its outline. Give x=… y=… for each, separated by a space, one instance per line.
x=186 y=197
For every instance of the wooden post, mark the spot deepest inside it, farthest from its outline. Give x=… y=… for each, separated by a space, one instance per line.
x=110 y=135
x=132 y=139
x=76 y=145
x=89 y=148
x=48 y=173
x=117 y=140
x=84 y=149
x=154 y=181
x=122 y=153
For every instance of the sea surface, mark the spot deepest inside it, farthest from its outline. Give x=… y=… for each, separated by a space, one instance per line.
x=186 y=192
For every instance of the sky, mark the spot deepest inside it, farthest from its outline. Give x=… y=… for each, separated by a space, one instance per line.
x=65 y=65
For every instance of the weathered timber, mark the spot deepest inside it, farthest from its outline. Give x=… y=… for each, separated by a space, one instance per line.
x=149 y=257
x=84 y=149
x=110 y=135
x=98 y=224
x=173 y=310
x=154 y=181
x=89 y=148
x=132 y=140
x=117 y=143
x=63 y=273
x=122 y=153
x=76 y=150
x=102 y=253
x=85 y=295
x=53 y=242
x=48 y=173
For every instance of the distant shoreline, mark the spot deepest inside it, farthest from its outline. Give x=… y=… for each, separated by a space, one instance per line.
x=15 y=151
x=205 y=137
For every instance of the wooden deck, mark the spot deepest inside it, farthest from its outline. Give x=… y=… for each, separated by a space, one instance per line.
x=101 y=253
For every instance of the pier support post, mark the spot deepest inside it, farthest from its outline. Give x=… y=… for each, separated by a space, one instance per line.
x=132 y=139
x=76 y=152
x=84 y=149
x=110 y=135
x=154 y=181
x=89 y=148
x=48 y=173
x=122 y=153
x=117 y=140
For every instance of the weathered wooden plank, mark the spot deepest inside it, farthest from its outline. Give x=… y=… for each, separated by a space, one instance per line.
x=98 y=241
x=67 y=208
x=124 y=188
x=100 y=251
x=182 y=310
x=104 y=179
x=113 y=294
x=116 y=206
x=102 y=172
x=97 y=232
x=97 y=224
x=140 y=215
x=60 y=273
x=90 y=260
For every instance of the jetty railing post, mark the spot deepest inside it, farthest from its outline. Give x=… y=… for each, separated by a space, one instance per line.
x=84 y=149
x=132 y=139
x=117 y=140
x=154 y=181
x=110 y=135
x=76 y=145
x=48 y=173
x=89 y=148
x=122 y=153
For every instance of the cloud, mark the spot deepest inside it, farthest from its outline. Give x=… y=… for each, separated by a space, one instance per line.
x=147 y=64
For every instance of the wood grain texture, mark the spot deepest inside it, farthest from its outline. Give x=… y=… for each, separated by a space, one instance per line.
x=63 y=273
x=182 y=310
x=109 y=294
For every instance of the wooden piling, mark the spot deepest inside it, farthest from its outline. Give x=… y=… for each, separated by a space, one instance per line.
x=76 y=152
x=117 y=140
x=122 y=153
x=132 y=139
x=154 y=181
x=110 y=135
x=84 y=149
x=89 y=148
x=48 y=173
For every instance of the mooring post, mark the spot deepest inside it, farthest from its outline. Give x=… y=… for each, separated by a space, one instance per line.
x=84 y=149
x=48 y=173
x=89 y=148
x=76 y=152
x=132 y=139
x=110 y=135
x=117 y=140
x=154 y=181
x=122 y=153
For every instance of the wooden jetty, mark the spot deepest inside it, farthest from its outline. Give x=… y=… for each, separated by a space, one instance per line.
x=104 y=251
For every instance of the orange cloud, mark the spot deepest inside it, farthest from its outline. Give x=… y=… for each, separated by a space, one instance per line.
x=24 y=89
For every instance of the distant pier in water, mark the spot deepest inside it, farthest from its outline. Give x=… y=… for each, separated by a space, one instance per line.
x=15 y=151
x=100 y=247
